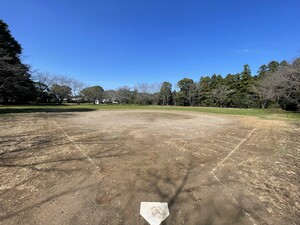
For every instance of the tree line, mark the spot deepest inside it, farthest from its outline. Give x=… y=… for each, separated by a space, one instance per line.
x=276 y=84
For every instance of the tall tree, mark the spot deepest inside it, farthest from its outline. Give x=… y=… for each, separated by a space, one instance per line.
x=270 y=67
x=187 y=91
x=76 y=87
x=262 y=70
x=273 y=66
x=215 y=80
x=204 y=91
x=166 y=93
x=246 y=80
x=15 y=82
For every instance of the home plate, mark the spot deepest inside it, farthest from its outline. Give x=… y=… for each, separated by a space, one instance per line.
x=154 y=212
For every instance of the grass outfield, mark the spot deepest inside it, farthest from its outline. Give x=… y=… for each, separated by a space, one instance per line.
x=261 y=113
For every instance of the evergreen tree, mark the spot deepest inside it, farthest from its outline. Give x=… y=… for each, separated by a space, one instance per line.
x=166 y=93
x=262 y=70
x=273 y=66
x=15 y=82
x=187 y=91
x=246 y=80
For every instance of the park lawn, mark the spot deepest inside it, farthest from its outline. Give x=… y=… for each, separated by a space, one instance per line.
x=260 y=113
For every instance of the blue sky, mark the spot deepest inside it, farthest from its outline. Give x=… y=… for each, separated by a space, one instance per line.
x=122 y=42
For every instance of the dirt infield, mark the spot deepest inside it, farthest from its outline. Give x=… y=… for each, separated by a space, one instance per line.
x=96 y=167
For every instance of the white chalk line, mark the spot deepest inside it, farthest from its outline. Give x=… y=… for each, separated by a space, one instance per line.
x=232 y=151
x=213 y=174
x=250 y=217
x=221 y=164
x=76 y=145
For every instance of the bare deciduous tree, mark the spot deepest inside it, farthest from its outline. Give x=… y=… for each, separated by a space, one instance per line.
x=289 y=86
x=51 y=83
x=143 y=95
x=154 y=90
x=220 y=94
x=43 y=81
x=125 y=95
x=283 y=84
x=147 y=93
x=111 y=96
x=77 y=87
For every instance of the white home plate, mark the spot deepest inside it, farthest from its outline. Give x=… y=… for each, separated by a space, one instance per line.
x=154 y=212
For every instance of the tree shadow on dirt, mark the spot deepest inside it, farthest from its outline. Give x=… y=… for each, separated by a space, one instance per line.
x=22 y=152
x=15 y=158
x=50 y=198
x=189 y=203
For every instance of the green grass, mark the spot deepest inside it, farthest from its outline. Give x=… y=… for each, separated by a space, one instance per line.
x=261 y=113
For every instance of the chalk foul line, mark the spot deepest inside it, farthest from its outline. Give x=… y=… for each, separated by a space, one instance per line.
x=221 y=164
x=229 y=154
x=76 y=145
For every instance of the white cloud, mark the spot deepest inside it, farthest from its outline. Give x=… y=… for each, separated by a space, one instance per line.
x=246 y=51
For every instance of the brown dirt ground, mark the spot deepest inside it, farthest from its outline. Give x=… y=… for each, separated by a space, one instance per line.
x=96 y=168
